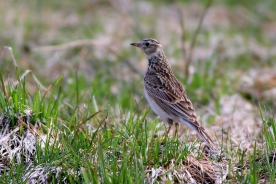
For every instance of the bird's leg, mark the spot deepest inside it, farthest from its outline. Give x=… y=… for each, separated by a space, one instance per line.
x=176 y=129
x=170 y=122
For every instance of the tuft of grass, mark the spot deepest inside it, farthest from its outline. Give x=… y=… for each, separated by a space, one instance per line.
x=269 y=130
x=259 y=165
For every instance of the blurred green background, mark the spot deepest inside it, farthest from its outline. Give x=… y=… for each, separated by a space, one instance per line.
x=91 y=39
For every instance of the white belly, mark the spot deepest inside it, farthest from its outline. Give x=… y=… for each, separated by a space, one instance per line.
x=155 y=107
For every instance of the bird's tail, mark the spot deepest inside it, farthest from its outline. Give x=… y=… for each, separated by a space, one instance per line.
x=204 y=136
x=200 y=132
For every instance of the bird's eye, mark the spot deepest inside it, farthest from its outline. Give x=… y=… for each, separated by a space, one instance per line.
x=147 y=44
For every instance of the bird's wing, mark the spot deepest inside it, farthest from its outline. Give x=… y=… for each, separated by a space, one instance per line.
x=170 y=95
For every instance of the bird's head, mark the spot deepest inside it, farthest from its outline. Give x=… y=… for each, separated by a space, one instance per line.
x=149 y=45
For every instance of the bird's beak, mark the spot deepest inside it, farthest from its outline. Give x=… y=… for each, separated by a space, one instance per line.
x=136 y=44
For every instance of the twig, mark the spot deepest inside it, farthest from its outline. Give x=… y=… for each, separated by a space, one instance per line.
x=68 y=45
x=274 y=110
x=80 y=43
x=34 y=77
x=9 y=49
x=181 y=21
x=189 y=58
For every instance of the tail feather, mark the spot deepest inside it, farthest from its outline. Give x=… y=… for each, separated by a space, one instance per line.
x=200 y=132
x=204 y=136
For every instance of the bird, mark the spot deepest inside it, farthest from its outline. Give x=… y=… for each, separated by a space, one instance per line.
x=164 y=92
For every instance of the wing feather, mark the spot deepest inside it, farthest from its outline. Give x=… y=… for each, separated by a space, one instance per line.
x=171 y=97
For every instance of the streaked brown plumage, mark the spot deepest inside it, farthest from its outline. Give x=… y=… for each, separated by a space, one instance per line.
x=165 y=94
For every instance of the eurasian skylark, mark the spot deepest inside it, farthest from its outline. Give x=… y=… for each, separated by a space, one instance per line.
x=164 y=93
